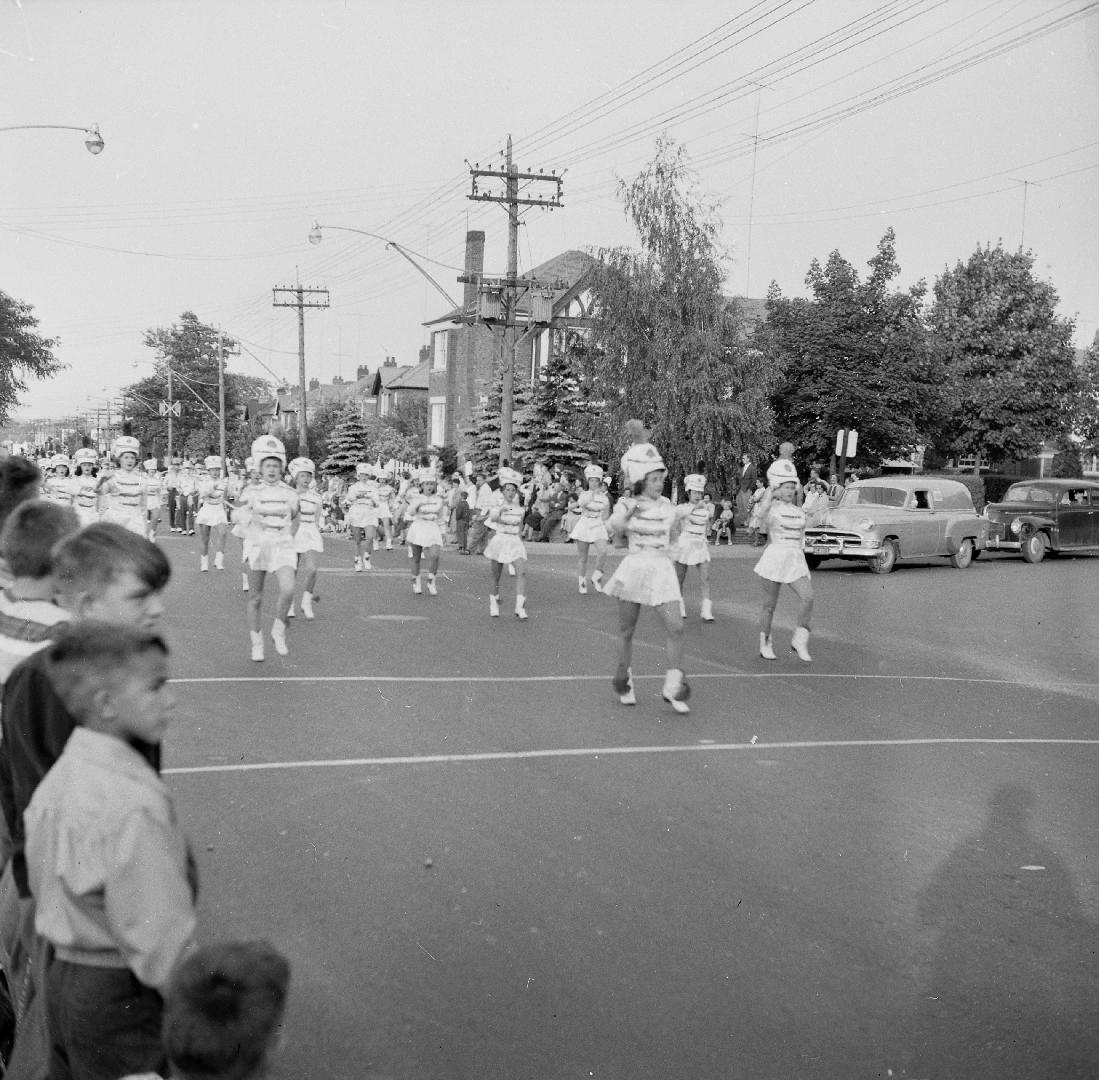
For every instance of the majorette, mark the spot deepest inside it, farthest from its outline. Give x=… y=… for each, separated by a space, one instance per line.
x=591 y=528
x=307 y=540
x=692 y=548
x=506 y=547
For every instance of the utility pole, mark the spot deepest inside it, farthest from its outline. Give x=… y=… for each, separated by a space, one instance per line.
x=318 y=298
x=234 y=349
x=511 y=176
x=1022 y=229
x=168 y=360
x=760 y=87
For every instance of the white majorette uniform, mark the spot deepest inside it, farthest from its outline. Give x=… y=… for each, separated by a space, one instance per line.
x=591 y=527
x=383 y=495
x=310 y=510
x=270 y=542
x=153 y=485
x=691 y=548
x=646 y=575
x=59 y=489
x=126 y=489
x=426 y=512
x=213 y=493
x=784 y=557
x=85 y=486
x=361 y=501
x=506 y=518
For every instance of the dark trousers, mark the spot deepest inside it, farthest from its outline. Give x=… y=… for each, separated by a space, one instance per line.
x=550 y=522
x=478 y=537
x=185 y=512
x=103 y=1023
x=461 y=531
x=173 y=495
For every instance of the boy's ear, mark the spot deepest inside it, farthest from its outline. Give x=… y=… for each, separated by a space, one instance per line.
x=103 y=701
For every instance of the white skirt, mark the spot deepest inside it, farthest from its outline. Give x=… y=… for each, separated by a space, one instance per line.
x=359 y=517
x=691 y=551
x=589 y=531
x=271 y=553
x=134 y=520
x=211 y=514
x=505 y=548
x=782 y=562
x=424 y=534
x=308 y=538
x=645 y=577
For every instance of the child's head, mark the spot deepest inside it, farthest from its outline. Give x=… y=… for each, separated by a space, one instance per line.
x=223 y=1011
x=29 y=535
x=107 y=572
x=113 y=679
x=19 y=482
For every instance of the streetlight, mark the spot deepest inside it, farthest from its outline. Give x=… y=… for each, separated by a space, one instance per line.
x=316 y=236
x=94 y=141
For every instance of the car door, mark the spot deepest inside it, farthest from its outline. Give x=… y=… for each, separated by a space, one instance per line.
x=925 y=524
x=1074 y=518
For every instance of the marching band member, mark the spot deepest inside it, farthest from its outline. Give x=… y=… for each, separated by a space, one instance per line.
x=212 y=494
x=58 y=487
x=185 y=500
x=426 y=511
x=646 y=577
x=86 y=497
x=693 y=549
x=783 y=560
x=268 y=511
x=591 y=528
x=360 y=502
x=125 y=487
x=153 y=488
x=307 y=540
x=385 y=495
x=506 y=547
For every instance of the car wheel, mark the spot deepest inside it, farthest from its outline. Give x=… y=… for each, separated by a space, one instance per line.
x=1034 y=547
x=964 y=555
x=813 y=561
x=886 y=559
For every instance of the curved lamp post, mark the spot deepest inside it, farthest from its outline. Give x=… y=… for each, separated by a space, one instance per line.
x=316 y=236
x=94 y=141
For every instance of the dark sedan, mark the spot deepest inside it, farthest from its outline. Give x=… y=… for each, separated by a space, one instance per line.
x=1038 y=517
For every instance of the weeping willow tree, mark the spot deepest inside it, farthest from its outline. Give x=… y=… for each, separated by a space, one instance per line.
x=667 y=345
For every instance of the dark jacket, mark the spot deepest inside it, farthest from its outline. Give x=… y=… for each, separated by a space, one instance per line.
x=746 y=481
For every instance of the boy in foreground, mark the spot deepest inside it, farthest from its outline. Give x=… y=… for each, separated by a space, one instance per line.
x=106 y=862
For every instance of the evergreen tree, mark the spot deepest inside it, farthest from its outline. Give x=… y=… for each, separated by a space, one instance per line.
x=484 y=426
x=348 y=444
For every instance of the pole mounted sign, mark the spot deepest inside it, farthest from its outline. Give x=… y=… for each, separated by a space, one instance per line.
x=171 y=408
x=847 y=442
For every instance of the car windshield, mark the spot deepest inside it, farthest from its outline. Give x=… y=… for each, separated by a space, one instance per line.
x=872 y=495
x=1029 y=493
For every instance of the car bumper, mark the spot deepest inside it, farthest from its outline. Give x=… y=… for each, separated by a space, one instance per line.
x=828 y=547
x=998 y=543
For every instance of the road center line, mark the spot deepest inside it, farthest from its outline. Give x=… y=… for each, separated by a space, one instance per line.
x=610 y=751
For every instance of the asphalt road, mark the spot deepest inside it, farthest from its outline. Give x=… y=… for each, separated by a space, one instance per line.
x=482 y=866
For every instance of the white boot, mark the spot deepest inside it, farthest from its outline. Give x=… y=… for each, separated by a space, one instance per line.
x=623 y=686
x=257 y=645
x=494 y=607
x=511 y=569
x=682 y=608
x=676 y=691
x=204 y=563
x=583 y=588
x=278 y=636
x=244 y=586
x=410 y=551
x=307 y=605
x=766 y=647
x=707 y=611
x=219 y=560
x=416 y=588
x=520 y=607
x=366 y=561
x=432 y=591
x=389 y=545
x=800 y=643
x=597 y=581
x=358 y=565
x=291 y=613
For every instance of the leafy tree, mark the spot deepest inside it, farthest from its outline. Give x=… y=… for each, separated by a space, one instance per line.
x=24 y=353
x=348 y=443
x=409 y=417
x=1008 y=357
x=854 y=355
x=665 y=344
x=387 y=441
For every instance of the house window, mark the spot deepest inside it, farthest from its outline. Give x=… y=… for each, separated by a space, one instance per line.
x=437 y=435
x=439 y=342
x=385 y=403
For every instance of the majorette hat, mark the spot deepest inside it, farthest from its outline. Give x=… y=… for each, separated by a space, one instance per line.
x=149 y=464
x=781 y=472
x=85 y=456
x=427 y=476
x=509 y=476
x=694 y=482
x=267 y=446
x=302 y=464
x=593 y=472
x=59 y=459
x=125 y=444
x=213 y=462
x=640 y=460
x=362 y=469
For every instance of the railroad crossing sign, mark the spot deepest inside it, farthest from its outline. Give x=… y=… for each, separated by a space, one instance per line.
x=171 y=408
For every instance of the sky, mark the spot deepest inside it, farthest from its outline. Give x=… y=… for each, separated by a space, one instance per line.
x=230 y=126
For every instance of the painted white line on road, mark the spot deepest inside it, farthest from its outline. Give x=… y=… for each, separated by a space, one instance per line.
x=610 y=751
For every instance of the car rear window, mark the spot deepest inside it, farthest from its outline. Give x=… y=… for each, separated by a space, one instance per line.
x=873 y=496
x=1029 y=493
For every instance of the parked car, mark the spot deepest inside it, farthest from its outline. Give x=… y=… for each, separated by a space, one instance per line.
x=1038 y=517
x=889 y=518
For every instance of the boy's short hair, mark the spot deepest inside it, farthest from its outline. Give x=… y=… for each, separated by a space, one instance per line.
x=92 y=559
x=19 y=481
x=29 y=535
x=93 y=654
x=222 y=1010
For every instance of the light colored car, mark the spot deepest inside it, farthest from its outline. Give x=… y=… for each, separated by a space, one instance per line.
x=889 y=518
x=1037 y=517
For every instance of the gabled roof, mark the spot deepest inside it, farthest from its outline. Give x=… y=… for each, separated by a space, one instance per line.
x=411 y=378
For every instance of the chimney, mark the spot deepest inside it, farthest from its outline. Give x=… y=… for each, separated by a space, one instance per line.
x=475 y=264
x=362 y=371
x=314 y=384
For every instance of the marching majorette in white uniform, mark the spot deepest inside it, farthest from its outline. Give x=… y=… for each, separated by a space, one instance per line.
x=506 y=546
x=185 y=498
x=426 y=511
x=268 y=511
x=692 y=548
x=360 y=503
x=86 y=496
x=154 y=489
x=647 y=577
x=235 y=493
x=385 y=495
x=125 y=487
x=783 y=560
x=591 y=528
x=58 y=487
x=307 y=540
x=212 y=517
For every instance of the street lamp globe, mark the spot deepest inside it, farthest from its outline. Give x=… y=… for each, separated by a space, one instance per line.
x=315 y=236
x=94 y=141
